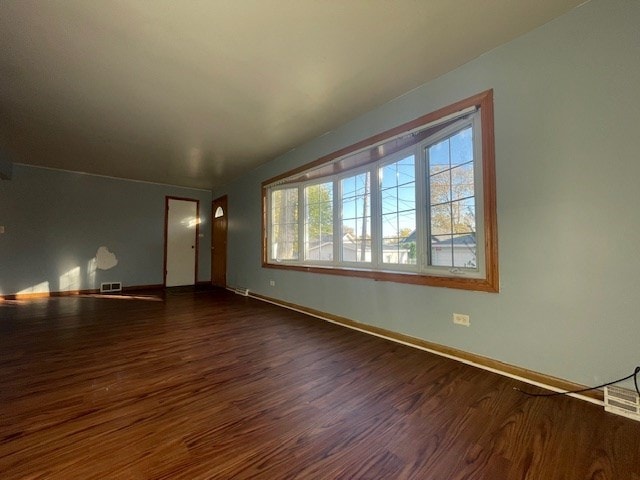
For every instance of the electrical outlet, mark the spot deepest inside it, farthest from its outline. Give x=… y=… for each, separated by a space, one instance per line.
x=272 y=283
x=461 y=319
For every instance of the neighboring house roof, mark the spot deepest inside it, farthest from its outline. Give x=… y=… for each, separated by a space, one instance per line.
x=461 y=240
x=409 y=238
x=323 y=240
x=349 y=243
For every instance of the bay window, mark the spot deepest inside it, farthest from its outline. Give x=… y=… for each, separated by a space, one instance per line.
x=415 y=204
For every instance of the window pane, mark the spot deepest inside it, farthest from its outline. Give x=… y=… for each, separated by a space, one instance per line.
x=390 y=227
x=464 y=251
x=440 y=187
x=348 y=187
x=407 y=170
x=318 y=222
x=389 y=201
x=362 y=182
x=389 y=174
x=349 y=227
x=464 y=216
x=349 y=208
x=356 y=218
x=441 y=252
x=406 y=223
x=439 y=157
x=362 y=250
x=441 y=219
x=363 y=228
x=399 y=212
x=284 y=224
x=461 y=147
x=452 y=201
x=462 y=181
x=407 y=196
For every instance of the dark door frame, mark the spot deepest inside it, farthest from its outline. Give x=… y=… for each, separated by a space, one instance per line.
x=224 y=221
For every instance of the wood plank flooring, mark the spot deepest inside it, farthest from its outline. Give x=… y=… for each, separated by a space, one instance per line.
x=201 y=385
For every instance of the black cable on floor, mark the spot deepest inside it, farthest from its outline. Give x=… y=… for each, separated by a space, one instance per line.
x=634 y=375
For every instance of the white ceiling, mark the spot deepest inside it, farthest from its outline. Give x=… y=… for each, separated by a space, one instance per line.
x=196 y=93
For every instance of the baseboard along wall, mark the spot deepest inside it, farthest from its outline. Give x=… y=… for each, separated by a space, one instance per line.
x=69 y=293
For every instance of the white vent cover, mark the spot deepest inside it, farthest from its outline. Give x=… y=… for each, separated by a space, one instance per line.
x=622 y=401
x=111 y=287
x=242 y=291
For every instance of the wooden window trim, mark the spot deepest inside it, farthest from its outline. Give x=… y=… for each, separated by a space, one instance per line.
x=491 y=282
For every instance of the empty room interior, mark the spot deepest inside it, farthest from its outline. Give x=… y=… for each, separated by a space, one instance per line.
x=319 y=239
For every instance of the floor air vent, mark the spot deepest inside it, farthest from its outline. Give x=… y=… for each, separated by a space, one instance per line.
x=242 y=291
x=622 y=402
x=112 y=287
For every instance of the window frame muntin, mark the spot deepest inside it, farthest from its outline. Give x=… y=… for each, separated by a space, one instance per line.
x=490 y=282
x=270 y=225
x=340 y=263
x=478 y=182
x=302 y=186
x=393 y=158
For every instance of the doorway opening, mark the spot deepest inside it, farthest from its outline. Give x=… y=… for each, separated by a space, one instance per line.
x=181 y=233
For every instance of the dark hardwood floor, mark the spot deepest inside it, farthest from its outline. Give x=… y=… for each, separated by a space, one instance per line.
x=214 y=385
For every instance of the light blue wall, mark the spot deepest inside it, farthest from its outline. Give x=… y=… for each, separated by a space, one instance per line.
x=567 y=111
x=55 y=221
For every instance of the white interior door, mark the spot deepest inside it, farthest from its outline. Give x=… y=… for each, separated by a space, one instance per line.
x=182 y=235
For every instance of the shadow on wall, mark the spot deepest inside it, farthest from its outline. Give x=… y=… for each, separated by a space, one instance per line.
x=72 y=279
